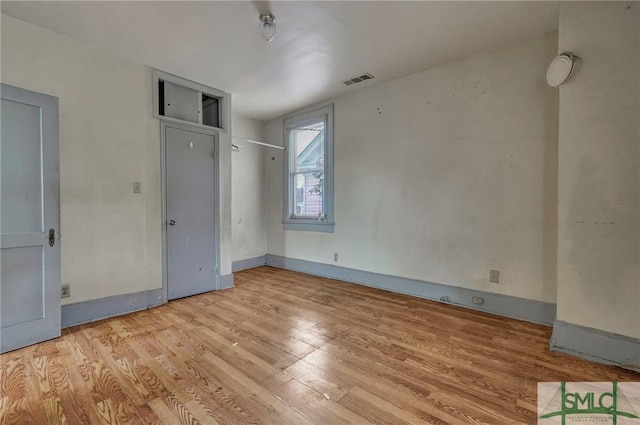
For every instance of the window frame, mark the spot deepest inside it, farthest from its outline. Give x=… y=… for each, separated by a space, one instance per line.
x=290 y=220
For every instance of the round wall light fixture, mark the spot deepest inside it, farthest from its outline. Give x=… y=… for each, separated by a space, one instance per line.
x=560 y=69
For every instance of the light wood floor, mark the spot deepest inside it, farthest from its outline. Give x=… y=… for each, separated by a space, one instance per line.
x=286 y=348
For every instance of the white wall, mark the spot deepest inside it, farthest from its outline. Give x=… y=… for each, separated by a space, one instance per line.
x=443 y=175
x=599 y=168
x=111 y=238
x=248 y=229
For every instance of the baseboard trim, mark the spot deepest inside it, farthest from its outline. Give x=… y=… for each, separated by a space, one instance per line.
x=504 y=305
x=596 y=345
x=103 y=308
x=117 y=305
x=249 y=263
x=226 y=281
x=155 y=297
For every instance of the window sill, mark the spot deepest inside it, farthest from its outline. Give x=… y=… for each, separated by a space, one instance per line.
x=309 y=225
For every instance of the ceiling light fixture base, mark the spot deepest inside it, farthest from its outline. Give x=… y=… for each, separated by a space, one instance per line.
x=268 y=26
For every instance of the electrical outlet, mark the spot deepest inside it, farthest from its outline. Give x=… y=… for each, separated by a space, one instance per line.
x=494 y=276
x=335 y=257
x=137 y=186
x=444 y=299
x=477 y=300
x=65 y=291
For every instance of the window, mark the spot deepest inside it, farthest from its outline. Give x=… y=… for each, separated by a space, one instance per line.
x=308 y=200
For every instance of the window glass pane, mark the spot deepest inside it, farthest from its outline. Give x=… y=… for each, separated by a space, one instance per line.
x=308 y=200
x=308 y=143
x=308 y=194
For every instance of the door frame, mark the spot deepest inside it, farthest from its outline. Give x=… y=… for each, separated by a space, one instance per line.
x=49 y=119
x=216 y=194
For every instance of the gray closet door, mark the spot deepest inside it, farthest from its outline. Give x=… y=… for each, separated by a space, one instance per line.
x=29 y=220
x=190 y=212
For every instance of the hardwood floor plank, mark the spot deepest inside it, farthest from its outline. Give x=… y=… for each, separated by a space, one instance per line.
x=368 y=408
x=46 y=348
x=221 y=407
x=180 y=410
x=108 y=414
x=14 y=412
x=164 y=412
x=4 y=410
x=167 y=379
x=287 y=348
x=415 y=395
x=137 y=391
x=13 y=379
x=202 y=413
x=147 y=415
x=324 y=382
x=41 y=369
x=54 y=411
x=314 y=405
x=261 y=403
x=37 y=414
x=393 y=375
x=71 y=396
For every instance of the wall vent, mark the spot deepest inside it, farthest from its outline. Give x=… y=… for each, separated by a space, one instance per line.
x=358 y=79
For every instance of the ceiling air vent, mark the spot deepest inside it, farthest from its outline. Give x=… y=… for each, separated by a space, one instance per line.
x=358 y=79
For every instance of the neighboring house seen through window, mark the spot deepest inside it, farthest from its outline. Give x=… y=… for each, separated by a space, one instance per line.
x=308 y=200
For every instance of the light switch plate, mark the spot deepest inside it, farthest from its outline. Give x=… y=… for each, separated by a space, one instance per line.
x=494 y=276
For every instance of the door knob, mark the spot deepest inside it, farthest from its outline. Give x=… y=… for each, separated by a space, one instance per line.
x=172 y=222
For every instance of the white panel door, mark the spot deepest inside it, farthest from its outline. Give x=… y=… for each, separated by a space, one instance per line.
x=192 y=247
x=29 y=218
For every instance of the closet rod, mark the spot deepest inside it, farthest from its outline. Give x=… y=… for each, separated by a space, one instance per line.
x=260 y=143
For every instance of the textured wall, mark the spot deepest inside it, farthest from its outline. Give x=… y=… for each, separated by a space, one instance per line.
x=443 y=175
x=599 y=168
x=248 y=214
x=111 y=238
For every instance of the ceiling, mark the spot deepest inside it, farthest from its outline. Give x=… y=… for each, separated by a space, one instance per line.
x=318 y=44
